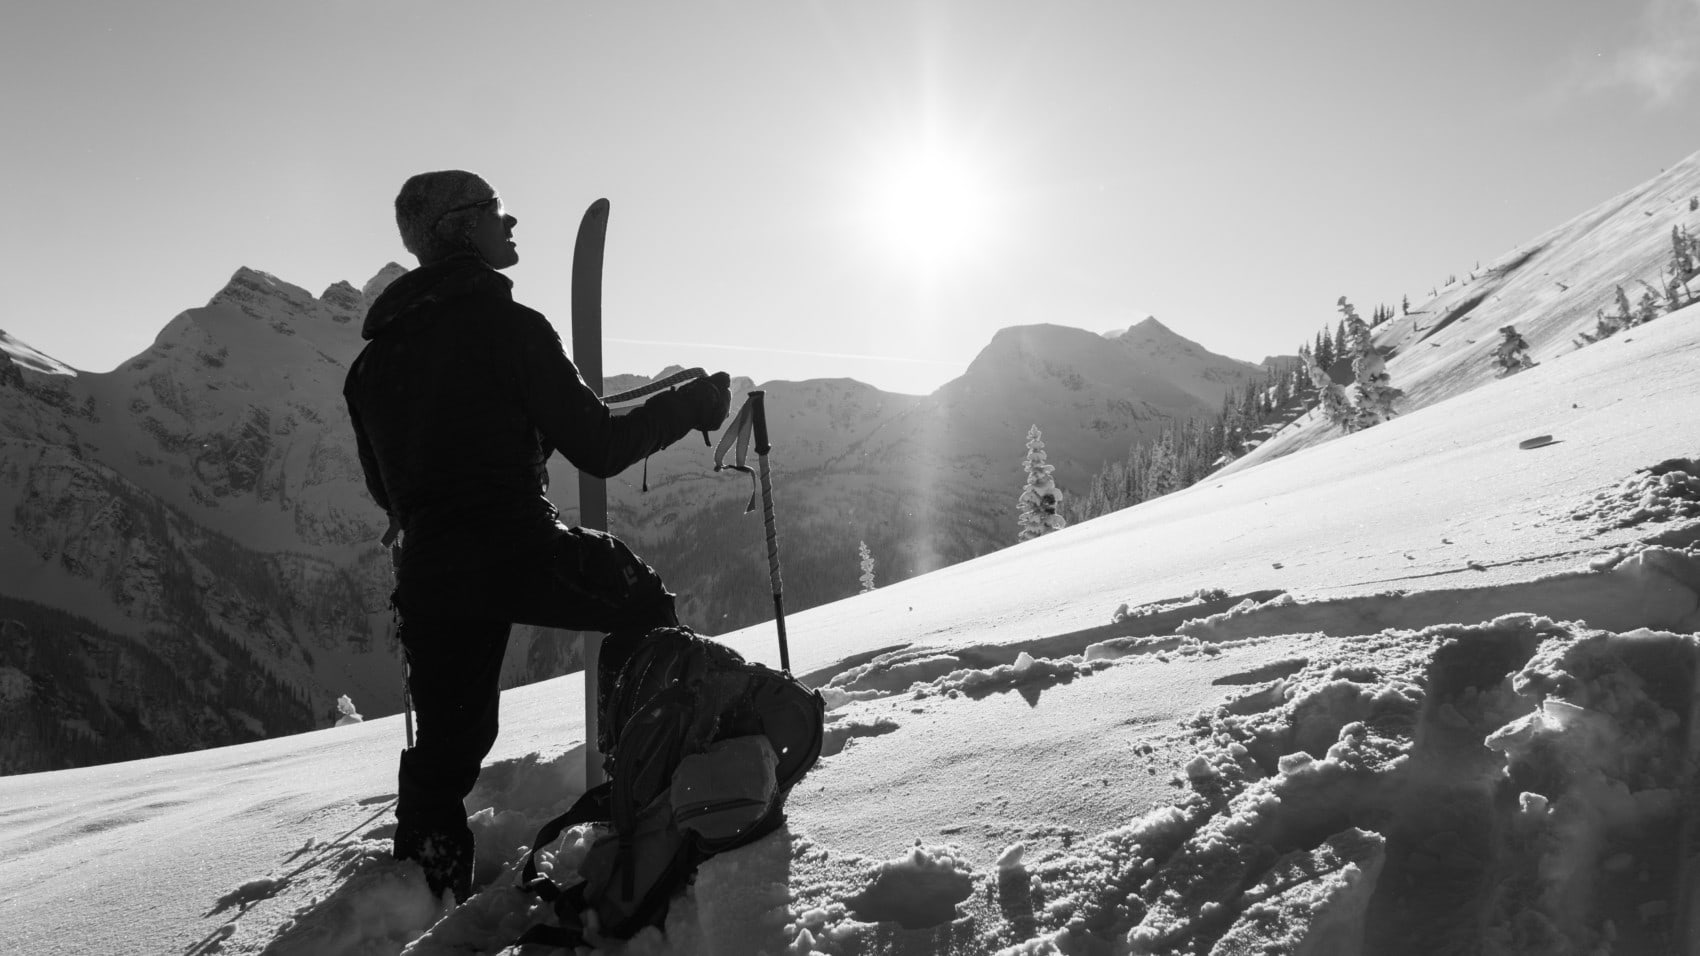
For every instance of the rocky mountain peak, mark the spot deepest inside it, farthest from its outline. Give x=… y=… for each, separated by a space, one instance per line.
x=1146 y=326
x=376 y=285
x=1149 y=330
x=343 y=301
x=256 y=293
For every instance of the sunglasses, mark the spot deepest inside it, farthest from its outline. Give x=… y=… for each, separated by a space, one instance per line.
x=493 y=200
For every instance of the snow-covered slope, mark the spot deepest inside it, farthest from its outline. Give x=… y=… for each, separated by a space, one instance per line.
x=1549 y=288
x=1417 y=690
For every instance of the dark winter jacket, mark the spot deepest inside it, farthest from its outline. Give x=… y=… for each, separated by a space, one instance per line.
x=457 y=402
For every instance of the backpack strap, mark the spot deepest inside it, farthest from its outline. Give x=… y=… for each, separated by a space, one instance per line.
x=560 y=937
x=592 y=805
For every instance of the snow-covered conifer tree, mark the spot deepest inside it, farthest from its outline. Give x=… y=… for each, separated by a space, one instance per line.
x=1684 y=263
x=1354 y=334
x=1039 y=511
x=1513 y=352
x=1373 y=391
x=1163 y=474
x=867 y=566
x=1324 y=350
x=1647 y=309
x=1605 y=326
x=346 y=714
x=1330 y=395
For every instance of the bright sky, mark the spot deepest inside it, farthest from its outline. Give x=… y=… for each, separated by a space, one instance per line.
x=807 y=189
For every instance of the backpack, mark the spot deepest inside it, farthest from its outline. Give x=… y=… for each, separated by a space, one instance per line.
x=701 y=749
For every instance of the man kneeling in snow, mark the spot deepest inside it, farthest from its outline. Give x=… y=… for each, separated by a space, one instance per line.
x=457 y=402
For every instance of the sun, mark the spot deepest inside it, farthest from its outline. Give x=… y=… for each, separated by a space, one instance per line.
x=929 y=206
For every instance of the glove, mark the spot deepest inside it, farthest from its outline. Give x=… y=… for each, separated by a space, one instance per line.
x=708 y=400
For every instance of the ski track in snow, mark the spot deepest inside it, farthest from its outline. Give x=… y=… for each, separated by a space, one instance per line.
x=1371 y=770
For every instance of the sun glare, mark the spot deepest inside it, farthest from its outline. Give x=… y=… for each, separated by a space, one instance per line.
x=928 y=207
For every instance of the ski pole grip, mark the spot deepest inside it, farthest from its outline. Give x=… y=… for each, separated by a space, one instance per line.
x=758 y=415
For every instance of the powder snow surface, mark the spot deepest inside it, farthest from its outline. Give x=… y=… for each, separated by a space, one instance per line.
x=1390 y=695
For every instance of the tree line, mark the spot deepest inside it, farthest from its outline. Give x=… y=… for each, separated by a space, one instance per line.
x=1184 y=453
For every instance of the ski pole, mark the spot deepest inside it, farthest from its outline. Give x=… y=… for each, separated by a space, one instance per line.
x=758 y=413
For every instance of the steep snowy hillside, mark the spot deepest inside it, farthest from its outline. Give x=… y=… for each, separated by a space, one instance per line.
x=1549 y=288
x=1418 y=690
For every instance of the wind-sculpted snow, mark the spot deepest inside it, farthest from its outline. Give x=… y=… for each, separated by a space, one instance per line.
x=1668 y=491
x=1507 y=787
x=1457 y=789
x=1159 y=784
x=1631 y=587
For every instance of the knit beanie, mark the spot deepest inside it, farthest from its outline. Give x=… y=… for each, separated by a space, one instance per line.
x=423 y=201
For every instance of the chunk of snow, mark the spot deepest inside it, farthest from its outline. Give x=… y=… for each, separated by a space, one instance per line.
x=1010 y=858
x=345 y=707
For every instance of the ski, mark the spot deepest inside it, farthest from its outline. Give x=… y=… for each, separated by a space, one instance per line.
x=592 y=491
x=587 y=342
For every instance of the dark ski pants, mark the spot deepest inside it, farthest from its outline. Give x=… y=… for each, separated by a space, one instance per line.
x=455 y=632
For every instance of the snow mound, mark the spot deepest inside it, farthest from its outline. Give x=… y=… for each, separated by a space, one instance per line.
x=917 y=890
x=1667 y=491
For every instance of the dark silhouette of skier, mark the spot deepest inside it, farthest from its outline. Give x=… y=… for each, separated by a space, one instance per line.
x=457 y=402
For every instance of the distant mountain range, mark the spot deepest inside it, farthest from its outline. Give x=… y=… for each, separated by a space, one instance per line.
x=191 y=556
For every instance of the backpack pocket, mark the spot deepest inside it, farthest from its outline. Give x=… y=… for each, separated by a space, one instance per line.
x=630 y=877
x=727 y=790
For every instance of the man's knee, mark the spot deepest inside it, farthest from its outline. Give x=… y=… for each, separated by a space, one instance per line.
x=600 y=569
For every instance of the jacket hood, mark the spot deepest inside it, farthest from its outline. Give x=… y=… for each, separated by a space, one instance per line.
x=427 y=286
